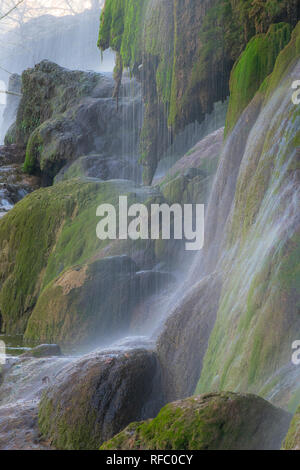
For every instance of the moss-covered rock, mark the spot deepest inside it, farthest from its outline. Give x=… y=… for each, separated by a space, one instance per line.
x=258 y=252
x=183 y=52
x=25 y=250
x=102 y=167
x=49 y=232
x=254 y=65
x=65 y=114
x=97 y=396
x=292 y=441
x=92 y=303
x=225 y=421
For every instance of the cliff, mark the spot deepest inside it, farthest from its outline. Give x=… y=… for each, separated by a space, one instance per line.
x=183 y=53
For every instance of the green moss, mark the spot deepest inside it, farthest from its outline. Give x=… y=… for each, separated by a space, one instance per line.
x=187 y=52
x=69 y=438
x=47 y=232
x=254 y=65
x=50 y=235
x=292 y=441
x=209 y=422
x=28 y=234
x=250 y=347
x=33 y=152
x=72 y=247
x=286 y=59
x=121 y=29
x=67 y=311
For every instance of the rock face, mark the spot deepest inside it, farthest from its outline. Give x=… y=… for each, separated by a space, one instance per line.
x=25 y=380
x=101 y=167
x=68 y=270
x=190 y=179
x=224 y=421
x=24 y=418
x=92 y=303
x=183 y=53
x=99 y=395
x=184 y=340
x=253 y=66
x=66 y=114
x=292 y=441
x=77 y=288
x=253 y=253
x=252 y=230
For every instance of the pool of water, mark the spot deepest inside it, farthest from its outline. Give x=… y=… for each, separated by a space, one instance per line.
x=14 y=345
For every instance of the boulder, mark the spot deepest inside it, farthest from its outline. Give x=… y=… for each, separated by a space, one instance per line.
x=92 y=303
x=52 y=233
x=97 y=396
x=66 y=114
x=225 y=421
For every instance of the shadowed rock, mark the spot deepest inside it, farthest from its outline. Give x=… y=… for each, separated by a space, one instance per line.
x=65 y=114
x=97 y=396
x=183 y=342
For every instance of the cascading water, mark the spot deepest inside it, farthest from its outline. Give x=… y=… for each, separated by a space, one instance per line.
x=175 y=306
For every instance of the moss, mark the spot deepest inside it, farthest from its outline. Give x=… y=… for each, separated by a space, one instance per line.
x=47 y=241
x=78 y=438
x=121 y=29
x=72 y=247
x=254 y=65
x=209 y=422
x=187 y=51
x=294 y=401
x=45 y=115
x=288 y=56
x=47 y=232
x=174 y=190
x=95 y=397
x=28 y=233
x=67 y=311
x=292 y=441
x=33 y=152
x=258 y=319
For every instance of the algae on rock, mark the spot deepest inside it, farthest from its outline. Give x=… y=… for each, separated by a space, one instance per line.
x=183 y=52
x=292 y=440
x=224 y=421
x=258 y=255
x=96 y=396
